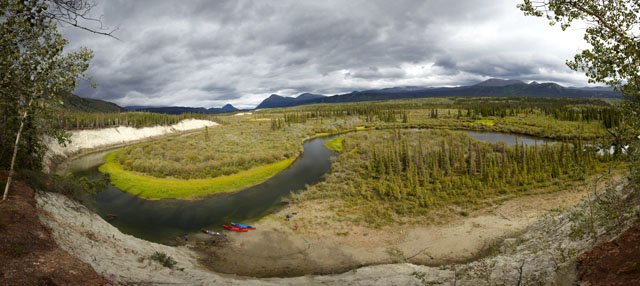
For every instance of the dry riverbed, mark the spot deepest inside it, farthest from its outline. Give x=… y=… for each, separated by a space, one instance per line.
x=314 y=242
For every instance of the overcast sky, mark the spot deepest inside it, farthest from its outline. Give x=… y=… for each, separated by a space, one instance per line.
x=208 y=53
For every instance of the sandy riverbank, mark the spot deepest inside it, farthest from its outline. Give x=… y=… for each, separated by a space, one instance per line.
x=117 y=256
x=314 y=242
x=542 y=255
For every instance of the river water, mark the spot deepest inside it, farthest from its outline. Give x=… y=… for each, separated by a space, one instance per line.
x=162 y=220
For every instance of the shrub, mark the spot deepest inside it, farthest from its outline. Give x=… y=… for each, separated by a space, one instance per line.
x=164 y=259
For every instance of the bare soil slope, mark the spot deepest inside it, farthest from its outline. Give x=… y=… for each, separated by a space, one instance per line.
x=616 y=262
x=28 y=252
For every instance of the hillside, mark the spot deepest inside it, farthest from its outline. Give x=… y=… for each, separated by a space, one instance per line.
x=29 y=252
x=280 y=101
x=81 y=104
x=491 y=87
x=183 y=109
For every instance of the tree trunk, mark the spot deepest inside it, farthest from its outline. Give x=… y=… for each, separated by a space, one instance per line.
x=15 y=150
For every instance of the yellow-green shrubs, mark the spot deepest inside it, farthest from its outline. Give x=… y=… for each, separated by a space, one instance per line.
x=223 y=150
x=152 y=188
x=487 y=122
x=335 y=144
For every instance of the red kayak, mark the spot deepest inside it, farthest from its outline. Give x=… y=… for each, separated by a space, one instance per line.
x=240 y=225
x=235 y=228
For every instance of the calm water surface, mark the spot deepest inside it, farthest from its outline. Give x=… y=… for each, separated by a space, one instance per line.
x=508 y=139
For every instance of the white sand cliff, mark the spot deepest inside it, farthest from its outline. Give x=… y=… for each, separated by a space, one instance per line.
x=83 y=140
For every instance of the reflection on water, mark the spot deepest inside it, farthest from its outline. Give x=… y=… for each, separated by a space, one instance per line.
x=505 y=138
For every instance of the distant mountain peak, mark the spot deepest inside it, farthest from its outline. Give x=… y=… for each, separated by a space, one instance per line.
x=551 y=85
x=497 y=82
x=275 y=100
x=228 y=108
x=183 y=109
x=306 y=96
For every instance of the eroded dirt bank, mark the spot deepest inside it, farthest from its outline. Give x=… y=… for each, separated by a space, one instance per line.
x=117 y=256
x=28 y=252
x=616 y=262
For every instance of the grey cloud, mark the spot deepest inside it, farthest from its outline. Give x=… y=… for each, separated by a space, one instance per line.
x=376 y=73
x=208 y=53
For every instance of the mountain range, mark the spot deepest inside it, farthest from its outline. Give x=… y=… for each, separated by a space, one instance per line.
x=76 y=103
x=490 y=87
x=182 y=109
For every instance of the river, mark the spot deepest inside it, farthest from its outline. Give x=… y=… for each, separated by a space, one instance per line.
x=162 y=220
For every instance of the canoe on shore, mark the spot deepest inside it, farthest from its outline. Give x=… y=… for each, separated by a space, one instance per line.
x=241 y=225
x=235 y=228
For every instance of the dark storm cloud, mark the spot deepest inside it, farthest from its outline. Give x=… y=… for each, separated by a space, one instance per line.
x=208 y=53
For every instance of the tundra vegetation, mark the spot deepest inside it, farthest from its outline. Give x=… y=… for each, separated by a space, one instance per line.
x=148 y=187
x=219 y=151
x=252 y=148
x=240 y=153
